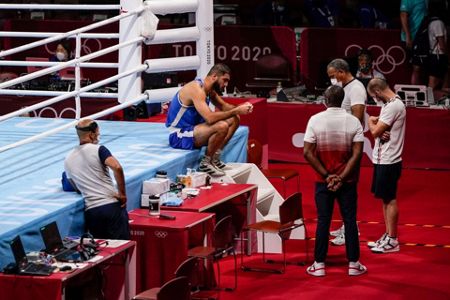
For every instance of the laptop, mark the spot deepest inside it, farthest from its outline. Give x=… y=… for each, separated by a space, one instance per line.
x=31 y=69
x=23 y=265
x=55 y=246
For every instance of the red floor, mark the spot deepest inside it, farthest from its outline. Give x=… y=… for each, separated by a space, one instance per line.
x=416 y=272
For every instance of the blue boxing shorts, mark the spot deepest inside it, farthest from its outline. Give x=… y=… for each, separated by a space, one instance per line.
x=182 y=138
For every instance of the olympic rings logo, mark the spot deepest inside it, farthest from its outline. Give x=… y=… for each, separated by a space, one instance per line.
x=385 y=62
x=161 y=234
x=88 y=46
x=50 y=112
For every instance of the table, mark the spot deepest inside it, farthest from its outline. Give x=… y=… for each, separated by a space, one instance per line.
x=427 y=136
x=239 y=200
x=119 y=285
x=163 y=244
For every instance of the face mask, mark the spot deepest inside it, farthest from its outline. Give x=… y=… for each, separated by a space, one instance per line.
x=280 y=8
x=96 y=140
x=365 y=68
x=335 y=82
x=60 y=56
x=377 y=100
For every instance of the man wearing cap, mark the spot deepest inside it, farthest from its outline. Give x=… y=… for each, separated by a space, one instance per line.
x=87 y=168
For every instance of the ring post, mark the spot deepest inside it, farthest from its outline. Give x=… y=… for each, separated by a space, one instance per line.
x=205 y=44
x=129 y=56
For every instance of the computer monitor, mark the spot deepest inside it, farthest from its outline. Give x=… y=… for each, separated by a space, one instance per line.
x=52 y=238
x=18 y=250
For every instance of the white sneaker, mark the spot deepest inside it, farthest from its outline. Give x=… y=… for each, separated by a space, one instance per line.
x=387 y=246
x=378 y=242
x=356 y=268
x=338 y=231
x=219 y=164
x=339 y=240
x=316 y=269
x=207 y=167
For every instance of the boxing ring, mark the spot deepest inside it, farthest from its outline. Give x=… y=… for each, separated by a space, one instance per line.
x=32 y=150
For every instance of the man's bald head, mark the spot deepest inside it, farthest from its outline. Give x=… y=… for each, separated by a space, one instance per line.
x=86 y=127
x=377 y=84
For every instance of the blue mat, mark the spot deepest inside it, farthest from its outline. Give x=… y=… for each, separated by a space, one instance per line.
x=30 y=175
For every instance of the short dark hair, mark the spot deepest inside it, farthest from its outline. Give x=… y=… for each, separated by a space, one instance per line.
x=219 y=69
x=339 y=65
x=366 y=53
x=334 y=95
x=66 y=45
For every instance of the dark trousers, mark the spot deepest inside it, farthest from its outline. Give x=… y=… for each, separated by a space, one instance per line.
x=108 y=221
x=346 y=197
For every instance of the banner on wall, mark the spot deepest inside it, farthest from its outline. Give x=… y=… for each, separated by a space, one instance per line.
x=318 y=46
x=237 y=46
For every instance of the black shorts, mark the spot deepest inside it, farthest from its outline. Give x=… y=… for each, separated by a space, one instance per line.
x=384 y=181
x=438 y=65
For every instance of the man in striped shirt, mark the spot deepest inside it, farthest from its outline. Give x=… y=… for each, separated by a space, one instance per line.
x=333 y=146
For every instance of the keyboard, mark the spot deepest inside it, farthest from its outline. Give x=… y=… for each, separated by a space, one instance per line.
x=36 y=269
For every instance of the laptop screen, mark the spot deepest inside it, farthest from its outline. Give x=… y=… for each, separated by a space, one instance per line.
x=52 y=238
x=17 y=249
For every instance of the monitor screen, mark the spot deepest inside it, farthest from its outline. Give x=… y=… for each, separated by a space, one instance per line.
x=17 y=249
x=52 y=238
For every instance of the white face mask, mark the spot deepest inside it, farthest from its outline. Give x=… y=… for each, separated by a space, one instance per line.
x=335 y=82
x=60 y=56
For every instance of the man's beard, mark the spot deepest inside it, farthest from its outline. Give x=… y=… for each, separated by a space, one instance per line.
x=217 y=89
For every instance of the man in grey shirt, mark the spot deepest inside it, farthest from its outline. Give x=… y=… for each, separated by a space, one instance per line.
x=87 y=167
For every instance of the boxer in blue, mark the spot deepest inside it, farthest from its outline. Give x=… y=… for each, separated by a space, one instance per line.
x=192 y=123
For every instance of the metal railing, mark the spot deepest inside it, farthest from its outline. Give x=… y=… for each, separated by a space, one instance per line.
x=130 y=14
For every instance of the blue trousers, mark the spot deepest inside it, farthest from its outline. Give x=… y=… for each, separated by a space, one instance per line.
x=108 y=221
x=346 y=197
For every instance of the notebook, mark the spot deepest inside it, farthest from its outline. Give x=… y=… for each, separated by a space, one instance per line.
x=55 y=246
x=24 y=266
x=31 y=69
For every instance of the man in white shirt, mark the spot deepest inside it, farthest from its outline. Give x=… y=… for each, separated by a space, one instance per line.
x=437 y=37
x=354 y=103
x=388 y=129
x=333 y=146
x=87 y=168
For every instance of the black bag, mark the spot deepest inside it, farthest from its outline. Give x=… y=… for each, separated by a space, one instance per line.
x=421 y=43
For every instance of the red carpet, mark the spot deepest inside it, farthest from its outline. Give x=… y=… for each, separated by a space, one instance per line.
x=416 y=272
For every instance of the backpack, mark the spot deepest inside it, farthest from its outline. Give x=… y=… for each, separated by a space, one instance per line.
x=421 y=43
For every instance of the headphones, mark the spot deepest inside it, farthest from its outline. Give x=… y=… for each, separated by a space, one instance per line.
x=88 y=249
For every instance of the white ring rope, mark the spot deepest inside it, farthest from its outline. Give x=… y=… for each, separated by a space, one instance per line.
x=48 y=34
x=69 y=63
x=73 y=123
x=59 y=6
x=202 y=34
x=70 y=33
x=102 y=65
x=55 y=93
x=73 y=93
